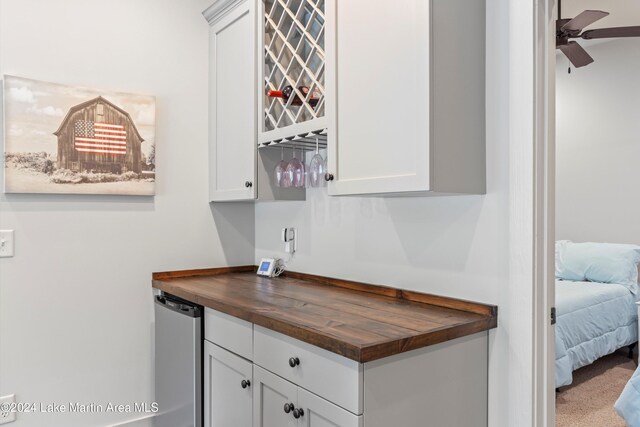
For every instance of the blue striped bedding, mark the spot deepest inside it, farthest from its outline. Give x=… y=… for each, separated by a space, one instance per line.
x=593 y=320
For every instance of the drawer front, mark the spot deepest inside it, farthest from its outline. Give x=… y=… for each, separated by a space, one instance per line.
x=231 y=333
x=330 y=376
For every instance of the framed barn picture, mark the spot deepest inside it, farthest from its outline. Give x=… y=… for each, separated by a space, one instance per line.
x=71 y=140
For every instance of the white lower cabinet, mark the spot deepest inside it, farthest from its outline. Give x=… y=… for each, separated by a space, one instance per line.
x=267 y=391
x=331 y=376
x=280 y=403
x=290 y=383
x=320 y=413
x=270 y=395
x=228 y=382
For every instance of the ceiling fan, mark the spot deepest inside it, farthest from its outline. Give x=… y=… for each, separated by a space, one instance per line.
x=571 y=28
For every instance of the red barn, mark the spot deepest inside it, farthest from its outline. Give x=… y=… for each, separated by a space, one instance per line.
x=99 y=136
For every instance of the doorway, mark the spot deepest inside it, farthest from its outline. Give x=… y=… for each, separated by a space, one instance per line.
x=586 y=134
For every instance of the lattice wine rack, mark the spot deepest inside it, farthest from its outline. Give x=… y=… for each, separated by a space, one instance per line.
x=294 y=56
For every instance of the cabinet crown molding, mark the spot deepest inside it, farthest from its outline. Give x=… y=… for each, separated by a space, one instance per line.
x=219 y=9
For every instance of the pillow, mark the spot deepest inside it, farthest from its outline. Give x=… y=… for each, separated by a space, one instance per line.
x=560 y=244
x=598 y=262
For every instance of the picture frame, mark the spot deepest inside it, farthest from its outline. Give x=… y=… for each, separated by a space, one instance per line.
x=63 y=139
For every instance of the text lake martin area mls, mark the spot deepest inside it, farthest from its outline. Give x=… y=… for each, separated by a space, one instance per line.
x=77 y=407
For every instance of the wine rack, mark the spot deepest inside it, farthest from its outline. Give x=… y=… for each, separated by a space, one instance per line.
x=293 y=41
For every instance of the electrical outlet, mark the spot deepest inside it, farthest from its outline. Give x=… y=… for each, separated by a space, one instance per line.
x=6 y=406
x=289 y=239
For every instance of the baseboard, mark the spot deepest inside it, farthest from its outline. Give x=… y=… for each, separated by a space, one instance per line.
x=145 y=421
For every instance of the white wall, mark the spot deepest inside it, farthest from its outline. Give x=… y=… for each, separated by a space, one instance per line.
x=455 y=246
x=75 y=302
x=598 y=144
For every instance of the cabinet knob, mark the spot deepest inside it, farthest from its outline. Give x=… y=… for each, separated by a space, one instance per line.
x=248 y=184
x=294 y=361
x=288 y=407
x=245 y=383
x=297 y=413
x=328 y=176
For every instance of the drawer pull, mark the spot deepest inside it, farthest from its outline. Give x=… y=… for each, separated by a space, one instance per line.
x=297 y=413
x=245 y=383
x=288 y=407
x=294 y=361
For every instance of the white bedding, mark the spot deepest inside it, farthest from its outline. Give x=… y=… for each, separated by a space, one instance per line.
x=593 y=320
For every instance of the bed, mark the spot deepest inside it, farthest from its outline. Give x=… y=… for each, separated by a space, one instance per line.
x=593 y=320
x=628 y=404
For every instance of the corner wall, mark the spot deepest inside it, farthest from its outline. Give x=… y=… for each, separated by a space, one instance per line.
x=75 y=302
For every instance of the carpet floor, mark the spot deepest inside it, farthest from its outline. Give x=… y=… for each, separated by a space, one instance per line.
x=588 y=402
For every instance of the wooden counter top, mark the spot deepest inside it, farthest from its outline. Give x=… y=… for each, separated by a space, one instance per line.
x=359 y=321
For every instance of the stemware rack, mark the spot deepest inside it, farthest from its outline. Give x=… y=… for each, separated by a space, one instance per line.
x=271 y=152
x=293 y=55
x=306 y=142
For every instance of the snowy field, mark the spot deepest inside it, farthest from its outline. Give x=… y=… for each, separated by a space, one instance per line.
x=23 y=180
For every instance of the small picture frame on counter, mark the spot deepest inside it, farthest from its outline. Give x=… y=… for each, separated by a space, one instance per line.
x=267 y=267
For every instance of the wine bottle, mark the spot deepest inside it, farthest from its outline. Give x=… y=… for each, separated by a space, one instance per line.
x=288 y=92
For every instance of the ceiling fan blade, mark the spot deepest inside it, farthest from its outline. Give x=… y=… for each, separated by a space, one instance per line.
x=583 y=20
x=576 y=54
x=605 y=33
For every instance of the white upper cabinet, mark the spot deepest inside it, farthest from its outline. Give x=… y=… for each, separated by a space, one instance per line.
x=405 y=91
x=232 y=101
x=395 y=90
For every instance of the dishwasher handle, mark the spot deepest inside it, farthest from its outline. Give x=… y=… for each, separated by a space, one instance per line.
x=179 y=305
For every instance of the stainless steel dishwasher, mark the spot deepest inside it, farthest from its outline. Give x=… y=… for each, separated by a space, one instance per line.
x=178 y=362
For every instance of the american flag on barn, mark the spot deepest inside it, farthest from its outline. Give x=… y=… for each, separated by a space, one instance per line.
x=99 y=136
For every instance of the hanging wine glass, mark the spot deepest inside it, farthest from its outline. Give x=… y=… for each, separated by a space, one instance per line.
x=302 y=173
x=295 y=171
x=307 y=180
x=326 y=168
x=280 y=171
x=316 y=168
x=287 y=177
x=299 y=171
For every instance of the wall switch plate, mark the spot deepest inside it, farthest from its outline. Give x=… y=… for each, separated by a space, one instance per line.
x=6 y=243
x=7 y=415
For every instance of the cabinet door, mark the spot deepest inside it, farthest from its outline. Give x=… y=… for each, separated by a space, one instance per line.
x=379 y=96
x=270 y=394
x=228 y=382
x=232 y=105
x=317 y=412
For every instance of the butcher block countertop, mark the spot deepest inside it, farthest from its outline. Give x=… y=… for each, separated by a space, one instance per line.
x=359 y=321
